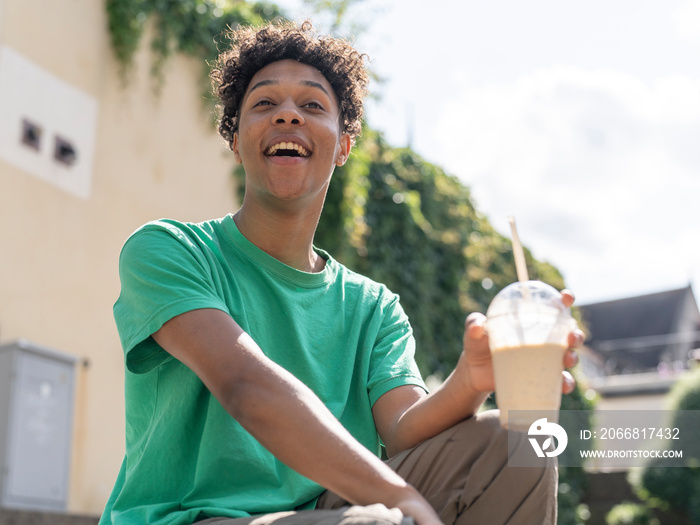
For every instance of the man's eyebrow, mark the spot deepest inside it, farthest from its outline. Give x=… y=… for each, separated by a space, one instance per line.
x=309 y=83
x=262 y=83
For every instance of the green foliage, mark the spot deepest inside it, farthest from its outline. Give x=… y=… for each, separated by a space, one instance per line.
x=678 y=487
x=572 y=479
x=685 y=394
x=382 y=204
x=406 y=223
x=628 y=513
x=191 y=27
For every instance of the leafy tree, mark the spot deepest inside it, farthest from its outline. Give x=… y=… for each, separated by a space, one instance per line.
x=406 y=223
x=678 y=487
x=628 y=513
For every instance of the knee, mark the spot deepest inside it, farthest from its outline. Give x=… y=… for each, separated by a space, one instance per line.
x=483 y=429
x=496 y=445
x=490 y=420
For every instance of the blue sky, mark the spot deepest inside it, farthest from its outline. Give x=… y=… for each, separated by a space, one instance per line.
x=581 y=119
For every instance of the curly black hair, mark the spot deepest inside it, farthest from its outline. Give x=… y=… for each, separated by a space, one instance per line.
x=253 y=48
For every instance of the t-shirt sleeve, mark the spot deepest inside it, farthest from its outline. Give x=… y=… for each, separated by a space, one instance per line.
x=392 y=363
x=163 y=273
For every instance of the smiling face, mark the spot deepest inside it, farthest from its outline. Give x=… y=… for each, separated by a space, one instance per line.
x=289 y=136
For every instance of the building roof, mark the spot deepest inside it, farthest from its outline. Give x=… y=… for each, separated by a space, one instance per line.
x=633 y=333
x=652 y=314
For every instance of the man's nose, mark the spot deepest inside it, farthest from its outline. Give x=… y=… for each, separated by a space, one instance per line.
x=288 y=113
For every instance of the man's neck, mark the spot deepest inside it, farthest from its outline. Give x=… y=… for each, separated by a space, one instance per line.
x=287 y=235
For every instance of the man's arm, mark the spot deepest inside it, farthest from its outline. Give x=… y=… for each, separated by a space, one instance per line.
x=284 y=415
x=405 y=416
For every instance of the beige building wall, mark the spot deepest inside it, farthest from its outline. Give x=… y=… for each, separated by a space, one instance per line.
x=153 y=157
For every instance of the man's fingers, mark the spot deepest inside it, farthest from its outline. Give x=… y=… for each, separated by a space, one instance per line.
x=570 y=358
x=568 y=384
x=474 y=325
x=576 y=338
x=567 y=297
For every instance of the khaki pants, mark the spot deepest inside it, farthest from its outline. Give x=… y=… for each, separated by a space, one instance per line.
x=462 y=472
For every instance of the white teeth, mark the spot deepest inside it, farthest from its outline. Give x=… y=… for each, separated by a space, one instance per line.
x=287 y=145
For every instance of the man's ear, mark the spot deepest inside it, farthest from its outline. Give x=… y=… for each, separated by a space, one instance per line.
x=234 y=148
x=345 y=143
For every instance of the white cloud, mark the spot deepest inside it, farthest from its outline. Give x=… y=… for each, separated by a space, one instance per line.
x=599 y=168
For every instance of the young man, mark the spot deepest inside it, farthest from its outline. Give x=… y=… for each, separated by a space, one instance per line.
x=263 y=377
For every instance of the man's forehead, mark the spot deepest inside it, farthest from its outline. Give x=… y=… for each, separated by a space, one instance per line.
x=289 y=70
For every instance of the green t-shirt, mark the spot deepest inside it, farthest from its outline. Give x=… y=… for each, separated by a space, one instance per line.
x=343 y=335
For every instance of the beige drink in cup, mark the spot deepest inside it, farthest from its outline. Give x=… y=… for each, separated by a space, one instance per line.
x=528 y=327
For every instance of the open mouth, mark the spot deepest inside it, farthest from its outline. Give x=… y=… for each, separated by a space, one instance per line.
x=287 y=149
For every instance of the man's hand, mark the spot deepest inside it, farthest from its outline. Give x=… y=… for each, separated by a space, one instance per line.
x=575 y=340
x=405 y=416
x=477 y=356
x=419 y=509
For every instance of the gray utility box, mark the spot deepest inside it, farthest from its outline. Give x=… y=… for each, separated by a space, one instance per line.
x=36 y=420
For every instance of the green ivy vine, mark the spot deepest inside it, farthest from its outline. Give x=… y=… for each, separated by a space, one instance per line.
x=191 y=27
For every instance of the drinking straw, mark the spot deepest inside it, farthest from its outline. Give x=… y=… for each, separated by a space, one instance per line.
x=520 y=266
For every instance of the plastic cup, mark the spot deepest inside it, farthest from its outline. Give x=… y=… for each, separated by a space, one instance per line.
x=528 y=326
